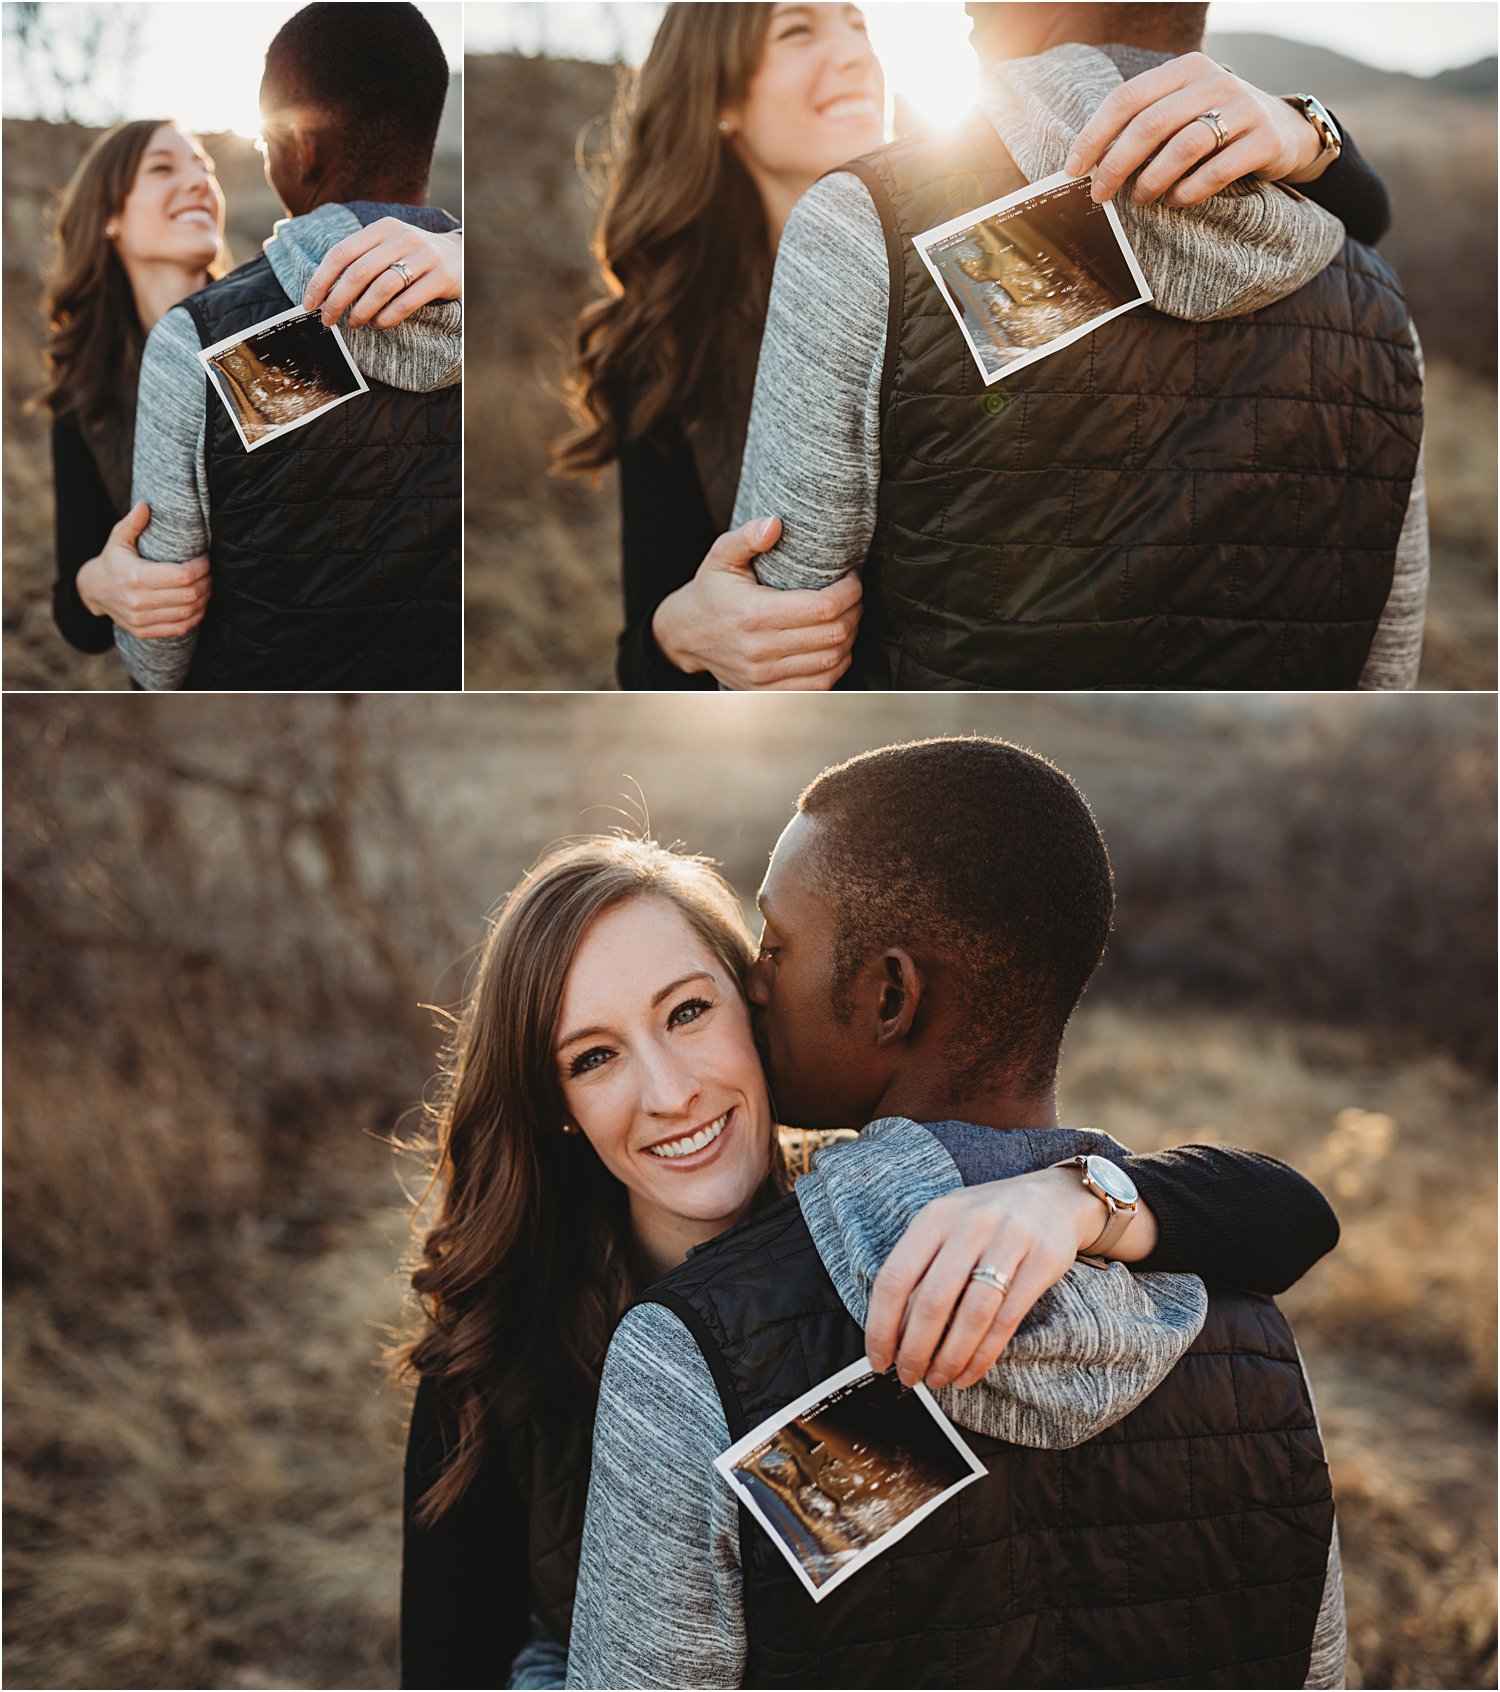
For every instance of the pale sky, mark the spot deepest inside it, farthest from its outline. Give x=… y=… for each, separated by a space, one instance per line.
x=924 y=43
x=198 y=63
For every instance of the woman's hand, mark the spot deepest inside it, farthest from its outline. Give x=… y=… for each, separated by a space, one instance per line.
x=356 y=275
x=1030 y=1227
x=752 y=637
x=145 y=599
x=1154 y=116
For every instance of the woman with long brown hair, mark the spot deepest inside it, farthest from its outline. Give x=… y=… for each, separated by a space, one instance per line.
x=139 y=228
x=737 y=111
x=603 y=1111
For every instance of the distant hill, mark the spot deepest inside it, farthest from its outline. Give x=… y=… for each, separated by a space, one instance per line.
x=1479 y=78
x=1272 y=62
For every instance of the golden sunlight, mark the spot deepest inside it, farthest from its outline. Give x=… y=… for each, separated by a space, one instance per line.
x=927 y=58
x=198 y=64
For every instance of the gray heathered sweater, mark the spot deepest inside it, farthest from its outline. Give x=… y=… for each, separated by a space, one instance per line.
x=421 y=355
x=812 y=456
x=660 y=1592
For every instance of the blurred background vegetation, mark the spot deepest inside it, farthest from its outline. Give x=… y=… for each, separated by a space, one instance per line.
x=225 y=918
x=542 y=565
x=83 y=67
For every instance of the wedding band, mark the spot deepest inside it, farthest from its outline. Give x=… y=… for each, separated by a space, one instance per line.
x=1215 y=121
x=406 y=276
x=992 y=1277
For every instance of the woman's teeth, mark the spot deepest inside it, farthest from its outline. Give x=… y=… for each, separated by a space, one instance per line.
x=691 y=1143
x=203 y=217
x=849 y=105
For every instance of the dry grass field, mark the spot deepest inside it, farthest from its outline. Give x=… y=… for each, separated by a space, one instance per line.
x=542 y=580
x=221 y=916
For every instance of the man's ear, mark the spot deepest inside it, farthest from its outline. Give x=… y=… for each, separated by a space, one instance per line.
x=312 y=151
x=901 y=988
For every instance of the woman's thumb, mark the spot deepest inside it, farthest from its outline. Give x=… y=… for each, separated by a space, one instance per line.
x=133 y=524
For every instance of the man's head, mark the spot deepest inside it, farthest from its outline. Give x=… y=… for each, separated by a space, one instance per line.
x=933 y=913
x=1016 y=29
x=350 y=102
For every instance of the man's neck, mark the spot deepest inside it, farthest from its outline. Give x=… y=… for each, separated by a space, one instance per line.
x=931 y=1099
x=347 y=193
x=1084 y=25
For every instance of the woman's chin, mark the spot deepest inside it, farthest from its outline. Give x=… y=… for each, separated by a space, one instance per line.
x=198 y=252
x=853 y=141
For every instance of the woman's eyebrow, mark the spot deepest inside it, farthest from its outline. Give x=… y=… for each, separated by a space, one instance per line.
x=681 y=981
x=665 y=993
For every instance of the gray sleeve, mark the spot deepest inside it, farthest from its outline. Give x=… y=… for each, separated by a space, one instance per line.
x=171 y=476
x=423 y=354
x=812 y=456
x=1329 y=1666
x=541 y=1663
x=660 y=1593
x=1396 y=652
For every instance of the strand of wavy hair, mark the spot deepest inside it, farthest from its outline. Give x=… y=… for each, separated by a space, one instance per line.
x=515 y=1322
x=681 y=243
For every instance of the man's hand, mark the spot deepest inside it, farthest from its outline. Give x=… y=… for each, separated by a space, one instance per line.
x=1030 y=1227
x=752 y=637
x=151 y=601
x=356 y=275
x=1154 y=116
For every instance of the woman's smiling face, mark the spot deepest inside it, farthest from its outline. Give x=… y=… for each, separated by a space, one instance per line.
x=817 y=98
x=659 y=1071
x=174 y=212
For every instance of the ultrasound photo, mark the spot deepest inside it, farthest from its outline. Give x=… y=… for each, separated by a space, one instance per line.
x=1030 y=273
x=280 y=374
x=846 y=1470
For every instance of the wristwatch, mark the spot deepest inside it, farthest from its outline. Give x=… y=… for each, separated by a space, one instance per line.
x=1318 y=115
x=1106 y=1181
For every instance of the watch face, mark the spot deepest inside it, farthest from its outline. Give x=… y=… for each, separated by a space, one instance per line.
x=1113 y=1179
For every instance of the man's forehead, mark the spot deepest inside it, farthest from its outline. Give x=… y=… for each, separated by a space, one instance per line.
x=789 y=886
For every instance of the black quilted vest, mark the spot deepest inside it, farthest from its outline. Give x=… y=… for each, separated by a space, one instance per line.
x=1159 y=505
x=549 y=1459
x=1185 y=1546
x=335 y=547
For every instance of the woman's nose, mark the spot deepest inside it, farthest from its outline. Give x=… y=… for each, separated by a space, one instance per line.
x=851 y=44
x=670 y=1086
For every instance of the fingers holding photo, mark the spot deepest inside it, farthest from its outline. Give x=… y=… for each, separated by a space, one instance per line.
x=1170 y=118
x=383 y=273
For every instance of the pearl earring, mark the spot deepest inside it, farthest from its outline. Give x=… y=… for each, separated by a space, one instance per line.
x=723 y=126
x=110 y=230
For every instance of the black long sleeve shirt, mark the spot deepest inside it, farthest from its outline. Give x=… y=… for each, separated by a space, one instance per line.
x=85 y=515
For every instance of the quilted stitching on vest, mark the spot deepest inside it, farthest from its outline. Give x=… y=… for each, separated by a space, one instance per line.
x=550 y=1457
x=334 y=547
x=1191 y=1538
x=1161 y=504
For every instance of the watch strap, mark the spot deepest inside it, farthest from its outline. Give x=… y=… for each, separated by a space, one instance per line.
x=1318 y=115
x=1120 y=1218
x=1120 y=1215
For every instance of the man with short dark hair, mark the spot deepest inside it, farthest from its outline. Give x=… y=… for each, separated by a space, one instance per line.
x=334 y=547
x=1156 y=1508
x=1217 y=489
